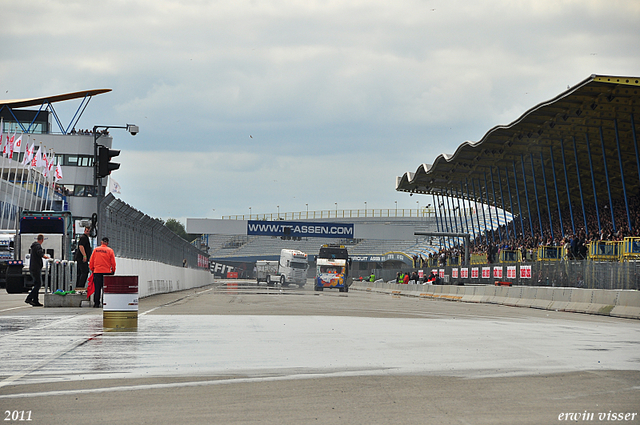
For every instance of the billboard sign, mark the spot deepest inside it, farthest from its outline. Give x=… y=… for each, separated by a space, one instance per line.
x=297 y=229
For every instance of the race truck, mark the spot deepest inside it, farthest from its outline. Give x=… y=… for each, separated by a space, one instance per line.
x=290 y=269
x=332 y=268
x=57 y=228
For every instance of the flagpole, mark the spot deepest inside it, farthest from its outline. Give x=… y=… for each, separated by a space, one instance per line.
x=4 y=204
x=15 y=175
x=52 y=157
x=25 y=187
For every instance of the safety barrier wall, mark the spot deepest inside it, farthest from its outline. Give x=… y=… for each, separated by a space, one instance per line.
x=608 y=302
x=157 y=278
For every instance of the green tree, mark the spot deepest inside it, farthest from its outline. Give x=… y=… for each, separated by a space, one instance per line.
x=178 y=228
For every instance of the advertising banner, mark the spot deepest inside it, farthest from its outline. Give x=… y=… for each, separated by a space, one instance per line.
x=297 y=229
x=525 y=272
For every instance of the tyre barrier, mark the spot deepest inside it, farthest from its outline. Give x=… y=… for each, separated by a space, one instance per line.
x=623 y=303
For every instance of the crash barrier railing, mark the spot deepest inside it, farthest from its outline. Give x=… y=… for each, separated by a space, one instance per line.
x=578 y=274
x=550 y=253
x=59 y=275
x=630 y=249
x=510 y=256
x=604 y=251
x=478 y=258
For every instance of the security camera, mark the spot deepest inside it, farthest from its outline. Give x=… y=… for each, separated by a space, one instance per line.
x=133 y=129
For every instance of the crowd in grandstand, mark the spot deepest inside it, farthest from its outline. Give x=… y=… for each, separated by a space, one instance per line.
x=513 y=237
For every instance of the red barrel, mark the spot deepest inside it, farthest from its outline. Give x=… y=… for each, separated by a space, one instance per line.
x=120 y=303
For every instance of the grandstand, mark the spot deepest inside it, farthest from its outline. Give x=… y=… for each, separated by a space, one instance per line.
x=559 y=187
x=568 y=171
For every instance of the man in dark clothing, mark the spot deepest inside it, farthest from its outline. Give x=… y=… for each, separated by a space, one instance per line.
x=82 y=257
x=35 y=269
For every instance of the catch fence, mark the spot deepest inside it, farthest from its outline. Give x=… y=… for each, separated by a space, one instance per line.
x=133 y=234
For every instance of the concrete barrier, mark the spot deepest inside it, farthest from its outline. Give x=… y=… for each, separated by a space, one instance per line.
x=619 y=303
x=157 y=278
x=580 y=301
x=560 y=297
x=628 y=305
x=69 y=300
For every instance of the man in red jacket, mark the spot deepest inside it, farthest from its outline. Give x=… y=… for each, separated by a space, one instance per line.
x=103 y=261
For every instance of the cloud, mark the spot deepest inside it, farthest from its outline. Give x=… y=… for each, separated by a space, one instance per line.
x=349 y=92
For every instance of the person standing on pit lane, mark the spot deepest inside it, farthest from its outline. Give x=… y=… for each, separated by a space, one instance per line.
x=35 y=270
x=82 y=257
x=103 y=261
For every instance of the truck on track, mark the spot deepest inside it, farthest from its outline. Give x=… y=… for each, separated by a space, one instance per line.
x=290 y=269
x=332 y=268
x=57 y=228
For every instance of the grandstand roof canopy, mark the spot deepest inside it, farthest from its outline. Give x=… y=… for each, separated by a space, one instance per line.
x=564 y=133
x=37 y=101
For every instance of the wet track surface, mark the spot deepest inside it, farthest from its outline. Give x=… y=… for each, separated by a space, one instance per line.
x=257 y=335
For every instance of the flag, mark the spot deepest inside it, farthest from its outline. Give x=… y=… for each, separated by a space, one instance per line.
x=58 y=175
x=10 y=143
x=52 y=155
x=90 y=286
x=28 y=154
x=114 y=186
x=2 y=135
x=45 y=160
x=17 y=147
x=37 y=159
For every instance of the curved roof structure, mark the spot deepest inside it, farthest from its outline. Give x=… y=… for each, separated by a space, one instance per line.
x=582 y=142
x=37 y=101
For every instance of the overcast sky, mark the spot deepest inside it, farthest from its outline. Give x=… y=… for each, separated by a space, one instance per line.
x=258 y=103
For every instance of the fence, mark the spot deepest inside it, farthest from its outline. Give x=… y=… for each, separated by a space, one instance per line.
x=578 y=274
x=135 y=235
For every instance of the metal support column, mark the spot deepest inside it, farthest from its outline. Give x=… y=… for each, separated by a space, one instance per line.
x=535 y=194
x=435 y=210
x=513 y=221
x=555 y=185
x=604 y=157
x=475 y=204
x=484 y=217
x=593 y=180
x=635 y=143
x=493 y=189
x=515 y=179
x=465 y=211
x=452 y=210
x=504 y=209
x=584 y=214
x=446 y=193
x=526 y=194
x=566 y=180
x=546 y=194
x=486 y=191
x=624 y=188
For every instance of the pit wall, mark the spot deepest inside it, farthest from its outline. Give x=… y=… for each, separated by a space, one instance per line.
x=616 y=302
x=157 y=278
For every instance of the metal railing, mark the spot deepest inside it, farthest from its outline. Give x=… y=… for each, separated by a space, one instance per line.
x=59 y=274
x=357 y=213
